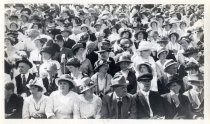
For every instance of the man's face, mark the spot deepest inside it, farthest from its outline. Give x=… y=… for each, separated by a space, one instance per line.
x=145 y=85
x=104 y=55
x=172 y=69
x=23 y=68
x=121 y=91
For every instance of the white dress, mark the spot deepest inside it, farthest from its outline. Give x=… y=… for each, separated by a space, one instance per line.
x=85 y=109
x=31 y=108
x=60 y=106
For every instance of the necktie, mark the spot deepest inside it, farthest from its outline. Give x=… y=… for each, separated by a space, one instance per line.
x=150 y=110
x=119 y=104
x=24 y=80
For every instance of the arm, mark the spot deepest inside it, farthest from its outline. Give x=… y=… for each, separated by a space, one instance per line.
x=26 y=114
x=49 y=110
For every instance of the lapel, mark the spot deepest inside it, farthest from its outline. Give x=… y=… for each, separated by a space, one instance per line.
x=143 y=102
x=30 y=76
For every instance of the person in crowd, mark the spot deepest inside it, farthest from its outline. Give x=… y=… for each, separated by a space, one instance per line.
x=173 y=44
x=35 y=105
x=23 y=78
x=61 y=102
x=140 y=36
x=124 y=61
x=149 y=104
x=79 y=52
x=118 y=104
x=101 y=78
x=49 y=81
x=88 y=105
x=176 y=104
x=13 y=102
x=68 y=43
x=91 y=55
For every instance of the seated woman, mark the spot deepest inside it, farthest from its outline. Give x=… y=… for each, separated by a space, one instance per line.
x=35 y=105
x=60 y=105
x=88 y=105
x=101 y=78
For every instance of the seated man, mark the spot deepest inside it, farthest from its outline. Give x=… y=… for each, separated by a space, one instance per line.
x=177 y=105
x=149 y=104
x=118 y=104
x=13 y=102
x=23 y=78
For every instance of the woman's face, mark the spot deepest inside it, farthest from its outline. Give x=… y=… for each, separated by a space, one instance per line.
x=84 y=29
x=124 y=65
x=163 y=55
x=140 y=36
x=174 y=25
x=35 y=27
x=173 y=37
x=34 y=89
x=145 y=53
x=87 y=21
x=7 y=42
x=182 y=26
x=154 y=25
x=46 y=56
x=63 y=85
x=125 y=35
x=175 y=88
x=13 y=27
x=38 y=44
x=144 y=69
x=80 y=51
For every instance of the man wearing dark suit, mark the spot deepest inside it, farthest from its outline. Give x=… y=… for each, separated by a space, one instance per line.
x=49 y=81
x=13 y=103
x=118 y=104
x=177 y=106
x=23 y=78
x=68 y=43
x=149 y=104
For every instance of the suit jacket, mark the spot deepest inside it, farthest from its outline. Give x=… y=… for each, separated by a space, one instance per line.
x=183 y=110
x=142 y=108
x=109 y=108
x=113 y=68
x=132 y=86
x=50 y=87
x=23 y=88
x=14 y=106
x=69 y=43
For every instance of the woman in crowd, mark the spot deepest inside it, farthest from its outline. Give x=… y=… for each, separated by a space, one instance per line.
x=88 y=105
x=61 y=102
x=34 y=106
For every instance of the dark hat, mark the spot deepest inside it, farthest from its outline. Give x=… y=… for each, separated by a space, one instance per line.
x=26 y=61
x=190 y=51
x=13 y=42
x=124 y=58
x=66 y=30
x=47 y=49
x=103 y=48
x=191 y=65
x=130 y=42
x=137 y=67
x=13 y=17
x=58 y=37
x=145 y=34
x=99 y=63
x=84 y=37
x=77 y=46
x=174 y=33
x=65 y=78
x=124 y=31
x=160 y=16
x=54 y=31
x=13 y=33
x=26 y=9
x=97 y=24
x=169 y=63
x=73 y=62
x=163 y=40
x=173 y=79
x=144 y=77
x=161 y=50
x=118 y=80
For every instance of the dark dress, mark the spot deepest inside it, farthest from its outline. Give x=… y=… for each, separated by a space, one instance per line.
x=14 y=107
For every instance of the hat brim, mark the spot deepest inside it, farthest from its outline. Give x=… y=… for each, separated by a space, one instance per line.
x=124 y=61
x=70 y=81
x=166 y=68
x=24 y=61
x=43 y=88
x=116 y=85
x=82 y=91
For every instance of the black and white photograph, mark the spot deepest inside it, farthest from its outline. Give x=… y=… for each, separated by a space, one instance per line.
x=103 y=61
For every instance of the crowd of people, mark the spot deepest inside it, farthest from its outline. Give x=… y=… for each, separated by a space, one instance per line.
x=104 y=61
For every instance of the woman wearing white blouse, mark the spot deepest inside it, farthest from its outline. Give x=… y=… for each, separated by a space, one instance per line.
x=35 y=105
x=88 y=105
x=60 y=105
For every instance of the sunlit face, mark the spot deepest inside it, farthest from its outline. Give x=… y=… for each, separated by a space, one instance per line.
x=63 y=85
x=46 y=56
x=173 y=37
x=23 y=68
x=145 y=85
x=125 y=35
x=121 y=91
x=175 y=87
x=140 y=36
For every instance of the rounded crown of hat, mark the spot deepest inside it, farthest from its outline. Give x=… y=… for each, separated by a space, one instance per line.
x=73 y=62
x=37 y=82
x=190 y=51
x=163 y=39
x=174 y=33
x=124 y=58
x=26 y=61
x=87 y=85
x=118 y=80
x=47 y=49
x=144 y=45
x=65 y=77
x=77 y=46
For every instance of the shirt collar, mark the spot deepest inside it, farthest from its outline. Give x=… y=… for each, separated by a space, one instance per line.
x=26 y=75
x=145 y=93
